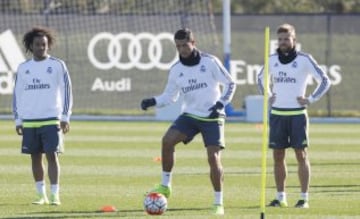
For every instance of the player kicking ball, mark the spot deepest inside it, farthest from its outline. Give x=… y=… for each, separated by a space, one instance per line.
x=198 y=77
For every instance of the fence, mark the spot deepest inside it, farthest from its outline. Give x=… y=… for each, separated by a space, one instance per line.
x=119 y=53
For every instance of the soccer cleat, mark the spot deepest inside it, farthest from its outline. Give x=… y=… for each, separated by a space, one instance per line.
x=54 y=199
x=277 y=203
x=302 y=204
x=218 y=210
x=41 y=200
x=165 y=190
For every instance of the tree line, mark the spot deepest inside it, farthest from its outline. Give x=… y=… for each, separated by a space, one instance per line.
x=167 y=6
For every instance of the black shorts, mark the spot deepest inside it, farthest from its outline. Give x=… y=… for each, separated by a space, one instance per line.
x=212 y=130
x=44 y=139
x=288 y=131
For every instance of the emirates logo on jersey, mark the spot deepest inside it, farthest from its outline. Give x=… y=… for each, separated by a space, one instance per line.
x=37 y=85
x=282 y=77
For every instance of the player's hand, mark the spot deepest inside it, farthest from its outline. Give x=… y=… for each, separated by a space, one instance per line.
x=19 y=129
x=272 y=99
x=215 y=110
x=303 y=101
x=65 y=127
x=146 y=103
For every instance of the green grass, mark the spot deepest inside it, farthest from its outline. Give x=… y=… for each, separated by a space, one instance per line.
x=112 y=163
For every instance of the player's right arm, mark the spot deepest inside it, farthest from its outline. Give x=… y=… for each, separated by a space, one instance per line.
x=261 y=84
x=170 y=95
x=17 y=93
x=260 y=81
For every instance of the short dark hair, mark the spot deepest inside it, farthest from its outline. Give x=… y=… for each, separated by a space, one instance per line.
x=38 y=32
x=184 y=34
x=287 y=28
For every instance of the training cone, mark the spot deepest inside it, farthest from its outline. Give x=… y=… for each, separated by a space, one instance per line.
x=157 y=159
x=108 y=208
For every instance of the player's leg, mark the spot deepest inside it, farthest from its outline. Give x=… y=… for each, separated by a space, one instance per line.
x=214 y=140
x=216 y=168
x=278 y=141
x=31 y=145
x=37 y=167
x=54 y=177
x=280 y=169
x=299 y=141
x=216 y=177
x=180 y=131
x=280 y=173
x=52 y=141
x=53 y=167
x=303 y=169
x=171 y=138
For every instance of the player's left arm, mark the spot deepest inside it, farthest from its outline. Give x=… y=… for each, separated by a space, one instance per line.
x=322 y=79
x=226 y=80
x=66 y=97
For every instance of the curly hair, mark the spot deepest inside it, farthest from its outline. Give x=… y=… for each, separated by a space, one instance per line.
x=38 y=32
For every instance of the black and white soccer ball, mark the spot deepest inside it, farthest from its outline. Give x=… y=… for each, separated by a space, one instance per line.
x=155 y=203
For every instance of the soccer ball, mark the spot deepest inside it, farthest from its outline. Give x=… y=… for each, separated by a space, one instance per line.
x=155 y=203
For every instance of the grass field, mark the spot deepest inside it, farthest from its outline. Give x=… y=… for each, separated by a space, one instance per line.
x=114 y=163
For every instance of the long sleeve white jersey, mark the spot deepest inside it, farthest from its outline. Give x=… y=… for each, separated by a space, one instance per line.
x=288 y=81
x=42 y=90
x=201 y=86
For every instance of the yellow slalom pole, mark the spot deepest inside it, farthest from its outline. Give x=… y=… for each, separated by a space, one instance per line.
x=265 y=123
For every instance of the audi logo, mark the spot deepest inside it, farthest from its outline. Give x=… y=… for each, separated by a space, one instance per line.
x=135 y=51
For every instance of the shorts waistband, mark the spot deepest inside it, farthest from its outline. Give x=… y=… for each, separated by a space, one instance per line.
x=288 y=112
x=38 y=124
x=204 y=119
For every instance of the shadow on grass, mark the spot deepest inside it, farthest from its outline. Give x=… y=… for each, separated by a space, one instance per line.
x=76 y=214
x=99 y=214
x=336 y=188
x=336 y=164
x=208 y=209
x=187 y=209
x=346 y=188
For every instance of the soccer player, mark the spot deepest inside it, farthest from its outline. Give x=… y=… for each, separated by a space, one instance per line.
x=289 y=71
x=42 y=105
x=198 y=77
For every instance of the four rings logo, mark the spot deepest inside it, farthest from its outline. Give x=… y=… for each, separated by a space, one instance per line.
x=127 y=56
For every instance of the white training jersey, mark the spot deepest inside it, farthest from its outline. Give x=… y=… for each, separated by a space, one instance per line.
x=289 y=81
x=201 y=86
x=42 y=90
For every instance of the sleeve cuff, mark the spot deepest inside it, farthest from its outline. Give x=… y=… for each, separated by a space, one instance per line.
x=18 y=122
x=311 y=99
x=65 y=118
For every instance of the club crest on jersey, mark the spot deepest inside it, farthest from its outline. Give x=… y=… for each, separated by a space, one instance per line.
x=202 y=68
x=276 y=64
x=181 y=74
x=27 y=72
x=294 y=64
x=49 y=70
